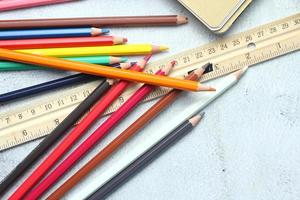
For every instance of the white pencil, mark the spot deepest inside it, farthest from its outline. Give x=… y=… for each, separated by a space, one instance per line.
x=206 y=98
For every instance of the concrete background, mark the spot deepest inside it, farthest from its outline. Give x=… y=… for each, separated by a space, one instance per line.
x=247 y=147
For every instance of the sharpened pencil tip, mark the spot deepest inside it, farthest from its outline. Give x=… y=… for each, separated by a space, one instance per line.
x=201 y=70
x=157 y=49
x=123 y=59
x=147 y=58
x=163 y=48
x=205 y=88
x=182 y=19
x=196 y=119
x=104 y=30
x=169 y=67
x=238 y=74
x=142 y=63
x=202 y=114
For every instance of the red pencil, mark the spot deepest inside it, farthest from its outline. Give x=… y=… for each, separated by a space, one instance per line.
x=95 y=137
x=62 y=42
x=74 y=135
x=17 y=4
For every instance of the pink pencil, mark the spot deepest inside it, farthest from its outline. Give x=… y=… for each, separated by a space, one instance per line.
x=95 y=137
x=17 y=4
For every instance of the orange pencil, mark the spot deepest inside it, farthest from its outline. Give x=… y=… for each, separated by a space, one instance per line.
x=101 y=70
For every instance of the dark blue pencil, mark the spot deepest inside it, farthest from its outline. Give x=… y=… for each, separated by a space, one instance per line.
x=51 y=33
x=43 y=87
x=77 y=78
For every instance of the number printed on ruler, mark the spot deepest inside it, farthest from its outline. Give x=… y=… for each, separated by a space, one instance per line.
x=227 y=55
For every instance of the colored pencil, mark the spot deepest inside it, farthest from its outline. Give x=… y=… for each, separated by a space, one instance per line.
x=62 y=42
x=75 y=134
x=50 y=85
x=158 y=20
x=51 y=33
x=145 y=159
x=104 y=60
x=133 y=129
x=58 y=132
x=117 y=50
x=202 y=101
x=100 y=70
x=46 y=86
x=95 y=137
x=6 y=5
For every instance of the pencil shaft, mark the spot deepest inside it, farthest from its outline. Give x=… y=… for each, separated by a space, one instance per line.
x=6 y=5
x=55 y=135
x=96 y=21
x=92 y=140
x=142 y=121
x=142 y=161
x=99 y=70
x=117 y=50
x=104 y=60
x=47 y=86
x=71 y=138
x=60 y=42
x=45 y=33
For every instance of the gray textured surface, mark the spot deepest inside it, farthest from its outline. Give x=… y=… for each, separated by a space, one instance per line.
x=247 y=147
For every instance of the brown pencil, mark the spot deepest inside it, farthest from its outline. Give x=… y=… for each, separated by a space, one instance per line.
x=158 y=20
x=124 y=136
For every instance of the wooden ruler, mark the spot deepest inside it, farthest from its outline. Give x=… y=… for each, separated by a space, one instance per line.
x=228 y=55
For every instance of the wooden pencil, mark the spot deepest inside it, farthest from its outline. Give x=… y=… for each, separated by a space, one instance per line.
x=158 y=20
x=62 y=42
x=57 y=133
x=103 y=60
x=100 y=70
x=133 y=129
x=146 y=158
x=117 y=50
x=6 y=5
x=223 y=85
x=46 y=86
x=67 y=142
x=51 y=33
x=95 y=137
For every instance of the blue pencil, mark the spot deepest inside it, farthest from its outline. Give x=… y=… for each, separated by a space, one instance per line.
x=51 y=33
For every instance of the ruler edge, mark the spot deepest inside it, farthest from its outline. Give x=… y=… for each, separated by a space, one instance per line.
x=203 y=46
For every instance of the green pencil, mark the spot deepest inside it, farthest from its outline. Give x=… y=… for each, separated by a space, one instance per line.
x=104 y=60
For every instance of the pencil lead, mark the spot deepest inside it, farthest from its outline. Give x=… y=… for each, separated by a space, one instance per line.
x=98 y=31
x=123 y=59
x=201 y=70
x=196 y=119
x=238 y=74
x=205 y=88
x=169 y=67
x=104 y=30
x=182 y=19
x=202 y=114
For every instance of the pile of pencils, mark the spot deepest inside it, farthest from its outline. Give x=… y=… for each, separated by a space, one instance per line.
x=81 y=47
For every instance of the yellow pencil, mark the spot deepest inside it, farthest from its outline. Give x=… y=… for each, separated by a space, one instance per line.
x=121 y=50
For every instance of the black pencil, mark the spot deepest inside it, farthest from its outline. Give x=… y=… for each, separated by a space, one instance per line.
x=58 y=132
x=142 y=161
